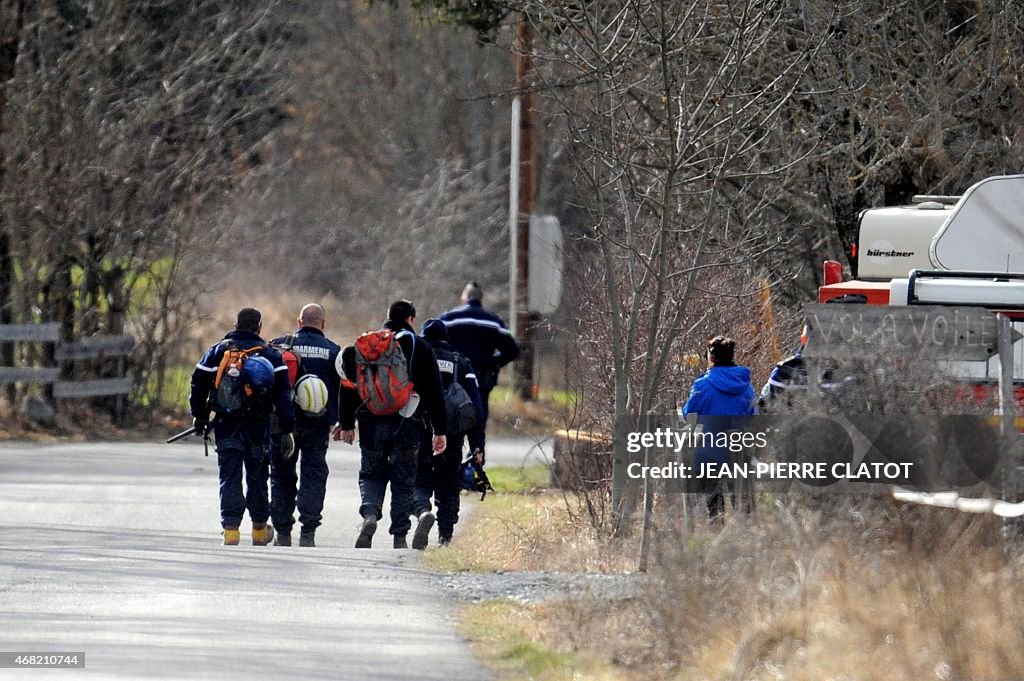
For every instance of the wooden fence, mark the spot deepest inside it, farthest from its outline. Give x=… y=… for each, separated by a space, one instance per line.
x=96 y=349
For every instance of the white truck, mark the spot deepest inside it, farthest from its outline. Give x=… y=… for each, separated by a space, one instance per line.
x=942 y=250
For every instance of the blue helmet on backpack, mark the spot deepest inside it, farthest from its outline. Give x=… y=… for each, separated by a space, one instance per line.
x=467 y=476
x=473 y=478
x=258 y=374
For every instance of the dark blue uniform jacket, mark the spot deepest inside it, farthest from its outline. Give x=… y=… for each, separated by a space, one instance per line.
x=319 y=355
x=454 y=366
x=206 y=372
x=481 y=336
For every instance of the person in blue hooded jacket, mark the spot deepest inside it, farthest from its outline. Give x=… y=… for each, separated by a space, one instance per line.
x=721 y=399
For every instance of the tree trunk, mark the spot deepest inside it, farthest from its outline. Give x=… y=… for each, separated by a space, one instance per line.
x=6 y=303
x=8 y=58
x=90 y=294
x=63 y=299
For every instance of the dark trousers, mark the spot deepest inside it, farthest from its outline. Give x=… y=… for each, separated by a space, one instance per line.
x=715 y=490
x=438 y=476
x=388 y=446
x=486 y=380
x=243 y=448
x=300 y=481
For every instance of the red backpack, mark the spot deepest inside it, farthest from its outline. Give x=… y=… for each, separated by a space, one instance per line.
x=290 y=356
x=382 y=372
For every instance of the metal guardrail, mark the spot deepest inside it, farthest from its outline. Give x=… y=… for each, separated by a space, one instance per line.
x=1003 y=509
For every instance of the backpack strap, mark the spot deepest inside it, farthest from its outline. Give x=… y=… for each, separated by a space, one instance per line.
x=412 y=352
x=253 y=349
x=231 y=346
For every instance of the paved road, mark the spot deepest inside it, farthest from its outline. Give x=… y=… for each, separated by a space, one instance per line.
x=519 y=451
x=114 y=550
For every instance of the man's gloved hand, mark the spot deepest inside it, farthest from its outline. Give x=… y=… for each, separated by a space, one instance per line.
x=201 y=426
x=287 y=445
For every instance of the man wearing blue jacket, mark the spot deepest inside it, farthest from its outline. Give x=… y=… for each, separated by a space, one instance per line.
x=318 y=355
x=242 y=432
x=721 y=399
x=482 y=337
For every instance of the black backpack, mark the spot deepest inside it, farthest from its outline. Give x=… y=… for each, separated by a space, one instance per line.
x=457 y=402
x=460 y=409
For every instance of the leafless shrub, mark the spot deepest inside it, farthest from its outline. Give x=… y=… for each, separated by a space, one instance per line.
x=672 y=127
x=391 y=178
x=812 y=594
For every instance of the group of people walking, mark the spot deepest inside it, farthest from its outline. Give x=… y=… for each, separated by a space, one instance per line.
x=413 y=398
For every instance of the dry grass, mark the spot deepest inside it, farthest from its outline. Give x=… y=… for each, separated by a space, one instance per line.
x=523 y=642
x=530 y=532
x=511 y=416
x=280 y=307
x=863 y=590
x=78 y=422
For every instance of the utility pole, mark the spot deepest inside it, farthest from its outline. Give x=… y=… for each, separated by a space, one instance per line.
x=523 y=187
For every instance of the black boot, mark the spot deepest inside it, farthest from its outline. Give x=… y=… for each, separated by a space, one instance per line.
x=444 y=535
x=306 y=536
x=365 y=538
x=422 y=534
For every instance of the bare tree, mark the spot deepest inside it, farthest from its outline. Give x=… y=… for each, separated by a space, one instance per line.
x=906 y=98
x=125 y=122
x=674 y=111
x=722 y=147
x=392 y=174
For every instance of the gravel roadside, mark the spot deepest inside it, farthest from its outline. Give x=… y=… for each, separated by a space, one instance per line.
x=535 y=587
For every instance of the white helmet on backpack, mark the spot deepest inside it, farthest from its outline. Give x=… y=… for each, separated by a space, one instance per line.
x=311 y=395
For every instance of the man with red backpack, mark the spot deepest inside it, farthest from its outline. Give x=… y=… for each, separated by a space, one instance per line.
x=242 y=380
x=393 y=389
